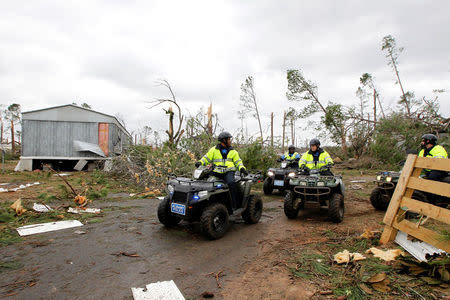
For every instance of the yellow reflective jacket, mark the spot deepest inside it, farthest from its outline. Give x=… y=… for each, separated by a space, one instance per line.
x=232 y=162
x=307 y=160
x=436 y=152
x=290 y=157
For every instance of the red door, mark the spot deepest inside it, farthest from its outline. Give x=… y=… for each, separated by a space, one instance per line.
x=103 y=137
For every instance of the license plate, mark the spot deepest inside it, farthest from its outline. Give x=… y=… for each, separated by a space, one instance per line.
x=178 y=209
x=278 y=182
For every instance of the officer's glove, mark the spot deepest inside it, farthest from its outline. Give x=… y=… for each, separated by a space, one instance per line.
x=243 y=171
x=198 y=164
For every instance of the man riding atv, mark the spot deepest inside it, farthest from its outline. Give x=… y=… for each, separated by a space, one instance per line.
x=277 y=178
x=226 y=161
x=315 y=158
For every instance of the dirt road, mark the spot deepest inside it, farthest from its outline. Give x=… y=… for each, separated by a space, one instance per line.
x=251 y=258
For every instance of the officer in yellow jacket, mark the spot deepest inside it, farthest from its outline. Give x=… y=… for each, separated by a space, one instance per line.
x=226 y=161
x=291 y=155
x=315 y=157
x=431 y=149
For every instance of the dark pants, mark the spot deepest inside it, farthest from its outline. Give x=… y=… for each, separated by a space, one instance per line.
x=436 y=175
x=228 y=177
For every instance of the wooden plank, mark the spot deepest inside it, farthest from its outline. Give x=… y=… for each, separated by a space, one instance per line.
x=103 y=136
x=423 y=234
x=389 y=234
x=399 y=190
x=430 y=186
x=416 y=173
x=432 y=211
x=433 y=163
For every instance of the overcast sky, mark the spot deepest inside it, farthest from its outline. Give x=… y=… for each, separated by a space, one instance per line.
x=109 y=53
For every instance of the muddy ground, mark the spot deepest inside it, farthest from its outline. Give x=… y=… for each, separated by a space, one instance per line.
x=251 y=258
x=252 y=261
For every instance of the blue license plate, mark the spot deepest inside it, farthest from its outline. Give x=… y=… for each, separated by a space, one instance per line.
x=278 y=182
x=178 y=209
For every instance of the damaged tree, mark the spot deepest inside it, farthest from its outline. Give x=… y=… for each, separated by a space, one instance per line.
x=174 y=135
x=12 y=114
x=249 y=103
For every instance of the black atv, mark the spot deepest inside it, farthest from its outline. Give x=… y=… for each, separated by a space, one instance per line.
x=386 y=184
x=277 y=178
x=207 y=199
x=316 y=186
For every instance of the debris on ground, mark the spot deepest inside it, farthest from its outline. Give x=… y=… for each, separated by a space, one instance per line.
x=355 y=187
x=388 y=255
x=41 y=207
x=345 y=257
x=217 y=276
x=80 y=200
x=369 y=234
x=126 y=254
x=207 y=295
x=62 y=174
x=420 y=250
x=380 y=282
x=161 y=290
x=80 y=210
x=79 y=232
x=358 y=181
x=18 y=208
x=46 y=227
x=20 y=187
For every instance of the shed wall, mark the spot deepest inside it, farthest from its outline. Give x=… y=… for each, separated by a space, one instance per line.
x=55 y=138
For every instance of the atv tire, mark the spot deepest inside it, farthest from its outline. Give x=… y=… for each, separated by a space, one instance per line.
x=336 y=208
x=268 y=186
x=379 y=200
x=164 y=214
x=291 y=205
x=214 y=221
x=253 y=212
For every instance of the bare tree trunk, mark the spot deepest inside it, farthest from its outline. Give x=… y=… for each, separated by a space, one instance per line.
x=292 y=131
x=374 y=109
x=1 y=131
x=12 y=137
x=209 y=126
x=257 y=113
x=271 y=130
x=408 y=111
x=284 y=131
x=170 y=131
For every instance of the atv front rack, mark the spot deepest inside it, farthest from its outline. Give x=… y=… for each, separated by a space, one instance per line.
x=320 y=191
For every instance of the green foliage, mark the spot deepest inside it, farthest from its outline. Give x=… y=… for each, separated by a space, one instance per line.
x=10 y=265
x=257 y=157
x=394 y=135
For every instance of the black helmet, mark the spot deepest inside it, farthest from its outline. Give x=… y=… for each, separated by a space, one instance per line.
x=291 y=147
x=429 y=138
x=224 y=135
x=314 y=142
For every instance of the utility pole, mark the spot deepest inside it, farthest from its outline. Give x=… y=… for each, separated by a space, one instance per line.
x=271 y=130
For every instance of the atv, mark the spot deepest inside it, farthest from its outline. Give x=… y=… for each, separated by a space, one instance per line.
x=207 y=199
x=386 y=184
x=277 y=178
x=316 y=186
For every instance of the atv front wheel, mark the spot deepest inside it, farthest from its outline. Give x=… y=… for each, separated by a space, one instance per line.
x=164 y=214
x=253 y=212
x=268 y=186
x=291 y=205
x=214 y=221
x=336 y=208
x=379 y=200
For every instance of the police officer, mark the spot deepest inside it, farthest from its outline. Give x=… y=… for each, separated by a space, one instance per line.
x=431 y=149
x=315 y=157
x=291 y=155
x=226 y=161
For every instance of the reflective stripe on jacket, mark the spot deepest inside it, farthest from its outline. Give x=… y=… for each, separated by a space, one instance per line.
x=290 y=157
x=308 y=160
x=231 y=163
x=436 y=152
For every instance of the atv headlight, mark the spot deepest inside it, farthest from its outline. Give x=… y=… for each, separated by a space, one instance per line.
x=291 y=174
x=320 y=183
x=303 y=183
x=379 y=177
x=389 y=179
x=270 y=173
x=202 y=194
x=170 y=188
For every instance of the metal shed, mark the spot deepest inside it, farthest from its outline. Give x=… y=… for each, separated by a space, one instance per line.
x=70 y=133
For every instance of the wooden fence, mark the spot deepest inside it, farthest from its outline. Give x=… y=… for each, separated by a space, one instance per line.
x=401 y=202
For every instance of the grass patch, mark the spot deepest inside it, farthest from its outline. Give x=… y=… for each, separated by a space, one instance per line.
x=10 y=265
x=94 y=220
